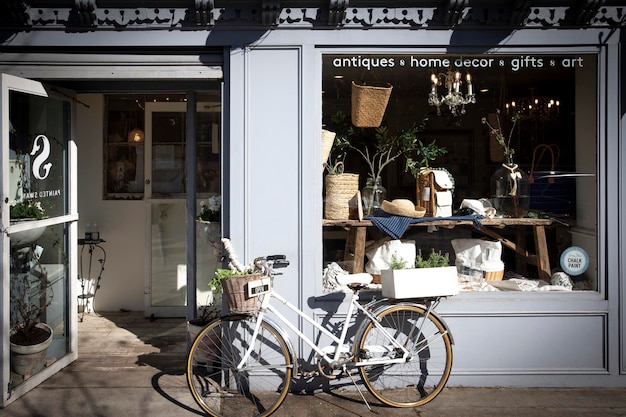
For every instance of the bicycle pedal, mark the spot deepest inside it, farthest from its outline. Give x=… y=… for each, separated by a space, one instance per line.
x=310 y=374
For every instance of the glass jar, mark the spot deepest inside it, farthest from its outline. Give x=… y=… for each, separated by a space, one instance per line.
x=372 y=196
x=510 y=193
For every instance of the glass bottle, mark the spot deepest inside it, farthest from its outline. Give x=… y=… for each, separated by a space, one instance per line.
x=510 y=193
x=95 y=233
x=88 y=231
x=372 y=195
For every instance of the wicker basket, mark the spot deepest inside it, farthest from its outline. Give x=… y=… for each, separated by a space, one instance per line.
x=328 y=138
x=236 y=294
x=340 y=191
x=369 y=102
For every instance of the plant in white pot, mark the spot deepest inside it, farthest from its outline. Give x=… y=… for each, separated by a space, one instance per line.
x=429 y=276
x=208 y=223
x=25 y=211
x=31 y=293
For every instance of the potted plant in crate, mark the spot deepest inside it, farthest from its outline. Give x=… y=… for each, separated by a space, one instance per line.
x=31 y=294
x=429 y=276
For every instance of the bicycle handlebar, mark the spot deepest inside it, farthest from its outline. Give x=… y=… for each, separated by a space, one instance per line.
x=268 y=264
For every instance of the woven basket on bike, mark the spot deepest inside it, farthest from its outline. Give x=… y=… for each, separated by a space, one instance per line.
x=236 y=292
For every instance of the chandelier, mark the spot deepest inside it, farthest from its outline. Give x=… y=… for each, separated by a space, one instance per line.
x=535 y=108
x=454 y=99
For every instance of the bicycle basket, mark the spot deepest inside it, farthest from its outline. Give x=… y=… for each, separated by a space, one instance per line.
x=236 y=294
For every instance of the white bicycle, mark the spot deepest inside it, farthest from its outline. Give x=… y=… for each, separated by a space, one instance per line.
x=241 y=365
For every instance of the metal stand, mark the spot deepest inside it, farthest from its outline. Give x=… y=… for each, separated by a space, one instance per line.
x=90 y=286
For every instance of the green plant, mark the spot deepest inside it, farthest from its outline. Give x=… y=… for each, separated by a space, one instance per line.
x=220 y=275
x=384 y=149
x=27 y=209
x=31 y=294
x=210 y=210
x=417 y=161
x=397 y=262
x=433 y=260
x=499 y=135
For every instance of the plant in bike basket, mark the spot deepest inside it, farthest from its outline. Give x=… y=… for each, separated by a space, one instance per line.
x=222 y=274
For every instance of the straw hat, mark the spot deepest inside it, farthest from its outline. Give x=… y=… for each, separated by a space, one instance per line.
x=403 y=207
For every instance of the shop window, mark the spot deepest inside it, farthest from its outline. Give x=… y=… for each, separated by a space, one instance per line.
x=545 y=108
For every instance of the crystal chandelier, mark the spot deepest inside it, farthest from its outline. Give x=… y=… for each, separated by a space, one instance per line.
x=535 y=108
x=454 y=99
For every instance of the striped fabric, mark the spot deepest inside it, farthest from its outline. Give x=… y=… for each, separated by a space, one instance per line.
x=395 y=226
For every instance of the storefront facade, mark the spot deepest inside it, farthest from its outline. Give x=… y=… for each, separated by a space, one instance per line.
x=243 y=91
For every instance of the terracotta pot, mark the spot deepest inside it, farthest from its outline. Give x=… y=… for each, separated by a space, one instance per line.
x=28 y=360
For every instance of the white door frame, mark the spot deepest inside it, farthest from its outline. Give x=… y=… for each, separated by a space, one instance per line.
x=9 y=394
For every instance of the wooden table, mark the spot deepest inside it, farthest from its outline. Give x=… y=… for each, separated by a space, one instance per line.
x=357 y=230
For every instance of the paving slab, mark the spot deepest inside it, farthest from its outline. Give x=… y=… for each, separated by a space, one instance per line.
x=131 y=366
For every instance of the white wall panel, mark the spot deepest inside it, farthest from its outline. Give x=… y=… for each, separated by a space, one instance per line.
x=272 y=152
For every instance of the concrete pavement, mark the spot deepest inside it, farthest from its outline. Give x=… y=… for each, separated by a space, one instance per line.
x=130 y=366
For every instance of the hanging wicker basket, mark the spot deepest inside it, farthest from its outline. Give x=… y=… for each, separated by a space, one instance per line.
x=369 y=102
x=236 y=294
x=328 y=138
x=341 y=190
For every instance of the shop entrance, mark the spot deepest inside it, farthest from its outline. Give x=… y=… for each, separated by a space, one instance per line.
x=159 y=165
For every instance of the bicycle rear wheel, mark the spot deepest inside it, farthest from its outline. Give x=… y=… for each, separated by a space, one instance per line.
x=222 y=390
x=422 y=377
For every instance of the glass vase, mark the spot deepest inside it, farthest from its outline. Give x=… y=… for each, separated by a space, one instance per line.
x=372 y=196
x=510 y=193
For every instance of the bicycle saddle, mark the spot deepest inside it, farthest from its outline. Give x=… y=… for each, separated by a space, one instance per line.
x=362 y=278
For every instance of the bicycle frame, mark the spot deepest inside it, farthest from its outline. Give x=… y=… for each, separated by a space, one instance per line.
x=338 y=340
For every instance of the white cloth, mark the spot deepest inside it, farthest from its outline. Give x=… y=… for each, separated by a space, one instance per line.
x=381 y=257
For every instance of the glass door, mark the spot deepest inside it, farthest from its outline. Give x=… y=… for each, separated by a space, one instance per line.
x=38 y=244
x=165 y=194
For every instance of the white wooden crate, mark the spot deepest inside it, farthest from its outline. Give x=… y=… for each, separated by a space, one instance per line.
x=420 y=282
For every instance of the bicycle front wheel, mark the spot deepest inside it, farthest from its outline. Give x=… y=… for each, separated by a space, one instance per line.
x=423 y=375
x=255 y=389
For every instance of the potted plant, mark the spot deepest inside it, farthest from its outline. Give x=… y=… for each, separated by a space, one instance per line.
x=31 y=293
x=429 y=276
x=26 y=209
x=418 y=161
x=23 y=211
x=510 y=192
x=387 y=147
x=213 y=309
x=340 y=187
x=208 y=223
